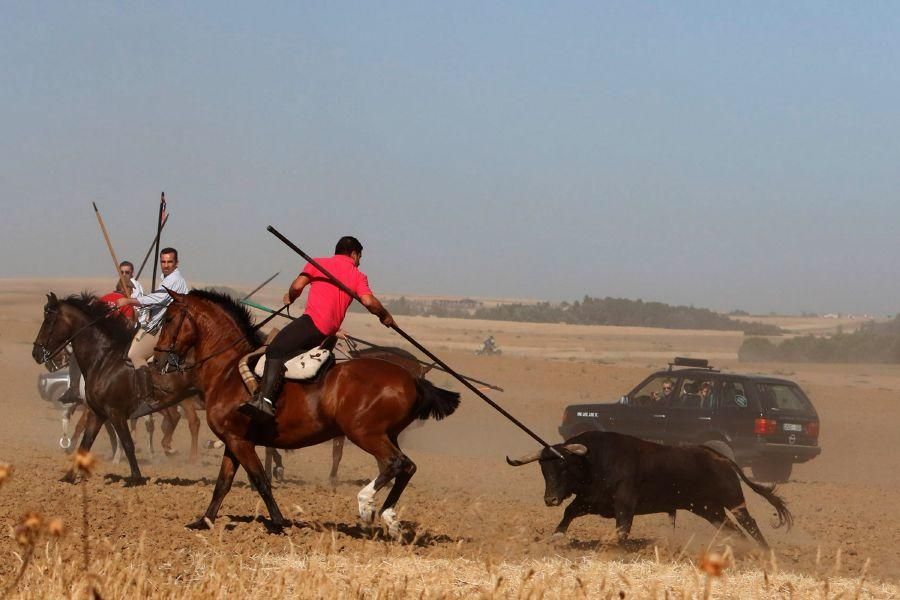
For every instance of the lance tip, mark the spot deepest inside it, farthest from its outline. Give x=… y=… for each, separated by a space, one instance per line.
x=95 y=207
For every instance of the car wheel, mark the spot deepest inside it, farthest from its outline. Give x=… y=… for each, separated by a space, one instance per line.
x=772 y=471
x=721 y=447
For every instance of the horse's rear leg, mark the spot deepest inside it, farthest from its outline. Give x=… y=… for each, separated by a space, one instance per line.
x=150 y=424
x=113 y=441
x=170 y=418
x=190 y=413
x=274 y=465
x=223 y=486
x=337 y=452
x=392 y=464
x=121 y=426
x=91 y=428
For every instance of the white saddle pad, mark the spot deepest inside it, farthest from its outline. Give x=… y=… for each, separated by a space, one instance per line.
x=303 y=366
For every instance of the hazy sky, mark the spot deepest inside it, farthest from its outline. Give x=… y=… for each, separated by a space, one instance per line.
x=721 y=154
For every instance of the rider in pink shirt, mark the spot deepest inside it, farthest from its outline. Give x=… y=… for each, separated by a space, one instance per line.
x=326 y=308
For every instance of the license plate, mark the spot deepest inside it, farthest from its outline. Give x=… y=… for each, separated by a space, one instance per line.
x=793 y=427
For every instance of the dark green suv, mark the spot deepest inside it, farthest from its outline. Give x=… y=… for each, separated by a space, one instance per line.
x=766 y=423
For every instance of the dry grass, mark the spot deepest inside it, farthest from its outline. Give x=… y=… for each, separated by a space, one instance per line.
x=395 y=572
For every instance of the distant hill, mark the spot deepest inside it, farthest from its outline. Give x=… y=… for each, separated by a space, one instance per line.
x=871 y=343
x=589 y=311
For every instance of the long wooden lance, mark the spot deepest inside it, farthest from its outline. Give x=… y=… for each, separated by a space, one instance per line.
x=112 y=252
x=261 y=286
x=412 y=341
x=266 y=309
x=152 y=245
x=159 y=220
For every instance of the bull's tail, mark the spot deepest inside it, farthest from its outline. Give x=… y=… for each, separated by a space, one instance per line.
x=768 y=492
x=434 y=402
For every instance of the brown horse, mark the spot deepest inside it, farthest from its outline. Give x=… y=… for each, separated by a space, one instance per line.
x=369 y=401
x=99 y=340
x=399 y=357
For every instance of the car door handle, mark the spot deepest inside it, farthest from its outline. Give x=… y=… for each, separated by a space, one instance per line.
x=705 y=418
x=659 y=416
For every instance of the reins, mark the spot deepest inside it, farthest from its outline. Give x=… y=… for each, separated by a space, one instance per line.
x=175 y=363
x=49 y=355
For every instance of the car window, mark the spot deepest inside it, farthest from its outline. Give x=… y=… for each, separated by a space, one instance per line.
x=655 y=392
x=781 y=397
x=734 y=395
x=696 y=392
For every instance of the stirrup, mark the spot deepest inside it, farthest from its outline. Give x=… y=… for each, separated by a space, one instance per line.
x=143 y=409
x=258 y=408
x=69 y=397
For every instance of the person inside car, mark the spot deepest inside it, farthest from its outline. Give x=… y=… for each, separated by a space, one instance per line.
x=706 y=398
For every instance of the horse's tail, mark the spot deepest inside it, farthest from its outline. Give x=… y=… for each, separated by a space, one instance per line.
x=434 y=402
x=768 y=492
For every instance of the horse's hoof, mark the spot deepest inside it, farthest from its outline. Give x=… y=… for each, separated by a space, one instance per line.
x=170 y=451
x=557 y=538
x=136 y=481
x=68 y=478
x=392 y=523
x=200 y=524
x=278 y=473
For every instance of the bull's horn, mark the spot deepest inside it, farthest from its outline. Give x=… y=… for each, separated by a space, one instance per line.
x=524 y=460
x=579 y=449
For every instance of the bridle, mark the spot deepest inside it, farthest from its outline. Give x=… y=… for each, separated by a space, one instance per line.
x=47 y=355
x=174 y=361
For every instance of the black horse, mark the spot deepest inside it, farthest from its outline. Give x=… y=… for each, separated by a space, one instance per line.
x=100 y=340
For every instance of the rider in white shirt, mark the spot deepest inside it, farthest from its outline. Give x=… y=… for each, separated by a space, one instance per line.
x=152 y=309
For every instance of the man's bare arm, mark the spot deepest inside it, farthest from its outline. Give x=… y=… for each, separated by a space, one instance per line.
x=375 y=307
x=296 y=288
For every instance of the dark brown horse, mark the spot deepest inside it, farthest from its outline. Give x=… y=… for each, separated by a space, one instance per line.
x=100 y=340
x=369 y=401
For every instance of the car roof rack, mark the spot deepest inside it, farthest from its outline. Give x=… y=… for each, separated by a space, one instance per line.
x=694 y=363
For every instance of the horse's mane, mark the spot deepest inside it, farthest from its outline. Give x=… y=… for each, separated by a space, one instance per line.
x=114 y=326
x=236 y=310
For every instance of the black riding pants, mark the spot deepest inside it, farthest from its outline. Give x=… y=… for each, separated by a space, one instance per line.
x=297 y=337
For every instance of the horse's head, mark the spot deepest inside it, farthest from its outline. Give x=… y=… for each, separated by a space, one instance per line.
x=54 y=331
x=179 y=333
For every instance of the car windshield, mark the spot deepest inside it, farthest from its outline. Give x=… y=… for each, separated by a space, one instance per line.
x=782 y=397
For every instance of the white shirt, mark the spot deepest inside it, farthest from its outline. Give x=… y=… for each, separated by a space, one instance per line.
x=156 y=302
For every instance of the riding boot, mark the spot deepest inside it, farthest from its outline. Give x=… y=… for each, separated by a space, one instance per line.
x=143 y=387
x=262 y=406
x=72 y=394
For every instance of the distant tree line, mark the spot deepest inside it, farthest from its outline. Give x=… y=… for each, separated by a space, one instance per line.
x=594 y=311
x=871 y=343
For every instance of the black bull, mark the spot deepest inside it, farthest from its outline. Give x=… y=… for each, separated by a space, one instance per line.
x=619 y=476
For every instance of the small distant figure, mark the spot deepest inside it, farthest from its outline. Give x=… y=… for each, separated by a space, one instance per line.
x=488 y=346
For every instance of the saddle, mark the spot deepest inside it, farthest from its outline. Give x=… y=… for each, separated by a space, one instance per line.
x=306 y=367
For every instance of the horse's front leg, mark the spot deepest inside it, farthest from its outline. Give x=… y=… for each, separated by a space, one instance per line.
x=245 y=453
x=127 y=442
x=223 y=486
x=92 y=425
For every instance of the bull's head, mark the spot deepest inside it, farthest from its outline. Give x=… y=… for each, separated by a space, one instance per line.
x=562 y=476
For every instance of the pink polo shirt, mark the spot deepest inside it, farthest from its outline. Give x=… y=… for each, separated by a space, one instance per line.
x=327 y=304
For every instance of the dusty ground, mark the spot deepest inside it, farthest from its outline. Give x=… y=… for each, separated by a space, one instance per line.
x=465 y=502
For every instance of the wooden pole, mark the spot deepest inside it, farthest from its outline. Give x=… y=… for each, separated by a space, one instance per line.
x=159 y=221
x=112 y=252
x=150 y=249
